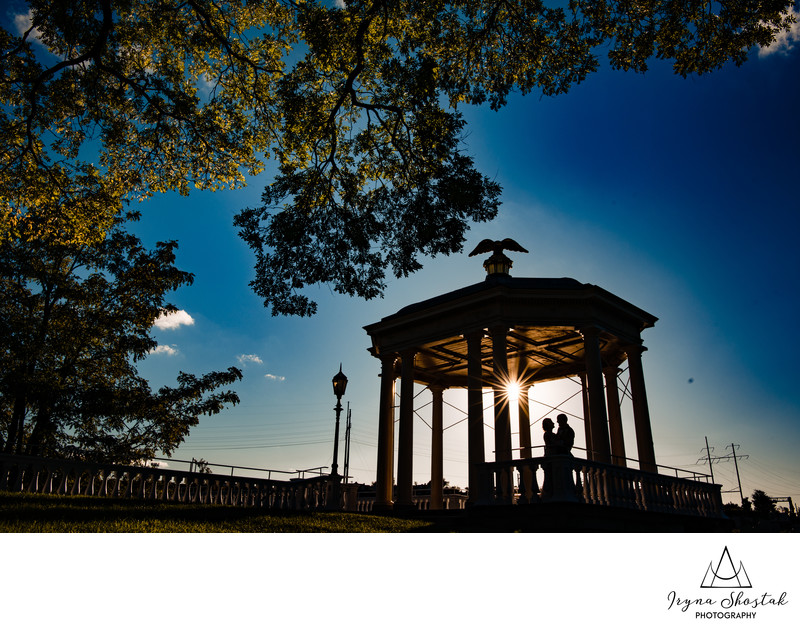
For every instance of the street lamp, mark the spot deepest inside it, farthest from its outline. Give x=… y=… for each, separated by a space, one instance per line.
x=339 y=386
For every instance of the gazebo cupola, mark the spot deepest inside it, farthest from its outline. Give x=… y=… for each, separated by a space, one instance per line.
x=498 y=264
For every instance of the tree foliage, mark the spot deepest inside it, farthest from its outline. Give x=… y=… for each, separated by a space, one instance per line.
x=763 y=504
x=74 y=320
x=358 y=109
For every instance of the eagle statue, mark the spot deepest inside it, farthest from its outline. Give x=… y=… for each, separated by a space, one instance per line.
x=498 y=264
x=497 y=247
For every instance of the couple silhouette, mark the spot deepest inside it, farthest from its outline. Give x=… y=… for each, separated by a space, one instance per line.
x=561 y=441
x=556 y=444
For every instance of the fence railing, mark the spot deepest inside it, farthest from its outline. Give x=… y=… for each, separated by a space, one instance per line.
x=634 y=463
x=567 y=479
x=256 y=472
x=70 y=477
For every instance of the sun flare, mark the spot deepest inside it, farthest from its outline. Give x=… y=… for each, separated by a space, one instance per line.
x=512 y=391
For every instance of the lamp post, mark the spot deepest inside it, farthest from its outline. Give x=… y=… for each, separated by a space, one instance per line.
x=339 y=387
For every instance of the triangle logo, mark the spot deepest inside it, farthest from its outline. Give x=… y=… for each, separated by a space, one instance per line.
x=726 y=575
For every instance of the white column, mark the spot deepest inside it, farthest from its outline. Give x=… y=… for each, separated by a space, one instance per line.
x=641 y=411
x=614 y=417
x=437 y=447
x=405 y=437
x=385 y=478
x=597 y=404
x=587 y=417
x=524 y=422
x=502 y=413
x=475 y=441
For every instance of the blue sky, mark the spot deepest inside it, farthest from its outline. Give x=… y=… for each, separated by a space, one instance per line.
x=678 y=195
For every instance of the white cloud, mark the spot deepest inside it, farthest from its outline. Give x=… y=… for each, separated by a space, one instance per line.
x=785 y=40
x=205 y=85
x=274 y=377
x=340 y=4
x=173 y=320
x=24 y=21
x=249 y=359
x=164 y=349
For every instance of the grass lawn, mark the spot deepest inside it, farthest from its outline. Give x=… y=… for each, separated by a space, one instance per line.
x=57 y=513
x=21 y=512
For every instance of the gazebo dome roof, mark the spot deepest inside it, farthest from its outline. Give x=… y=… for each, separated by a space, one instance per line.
x=543 y=316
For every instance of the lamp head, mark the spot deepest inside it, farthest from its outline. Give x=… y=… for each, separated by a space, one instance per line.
x=339 y=383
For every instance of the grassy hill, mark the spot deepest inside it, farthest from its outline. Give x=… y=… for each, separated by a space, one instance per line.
x=53 y=513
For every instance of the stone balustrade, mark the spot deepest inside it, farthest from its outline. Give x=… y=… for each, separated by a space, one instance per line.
x=568 y=479
x=69 y=477
x=528 y=481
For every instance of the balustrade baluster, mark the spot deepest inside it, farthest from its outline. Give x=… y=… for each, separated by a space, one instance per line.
x=33 y=478
x=591 y=473
x=681 y=492
x=202 y=490
x=598 y=485
x=15 y=477
x=623 y=497
x=630 y=490
x=535 y=490
x=76 y=478
x=94 y=472
x=604 y=488
x=643 y=493
x=48 y=483
x=580 y=490
x=525 y=483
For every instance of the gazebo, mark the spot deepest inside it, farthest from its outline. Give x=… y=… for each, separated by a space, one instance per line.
x=523 y=331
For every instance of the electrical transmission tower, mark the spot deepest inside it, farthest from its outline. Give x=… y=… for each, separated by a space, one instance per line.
x=731 y=456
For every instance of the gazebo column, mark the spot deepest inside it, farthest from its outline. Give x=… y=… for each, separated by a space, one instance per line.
x=385 y=478
x=641 y=412
x=524 y=422
x=614 y=417
x=475 y=442
x=502 y=413
x=437 y=447
x=597 y=404
x=405 y=438
x=587 y=417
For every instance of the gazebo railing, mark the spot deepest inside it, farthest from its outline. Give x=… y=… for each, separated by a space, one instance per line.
x=568 y=479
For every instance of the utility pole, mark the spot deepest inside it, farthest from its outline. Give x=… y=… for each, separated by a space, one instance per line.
x=731 y=456
x=347 y=445
x=708 y=454
x=736 y=464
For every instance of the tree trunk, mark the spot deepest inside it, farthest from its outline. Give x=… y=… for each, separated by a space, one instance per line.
x=42 y=428
x=15 y=429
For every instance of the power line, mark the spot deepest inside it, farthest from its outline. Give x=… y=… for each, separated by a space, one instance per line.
x=732 y=456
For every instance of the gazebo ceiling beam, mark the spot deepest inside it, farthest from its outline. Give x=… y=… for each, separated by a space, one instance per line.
x=517 y=334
